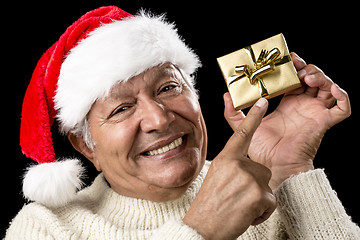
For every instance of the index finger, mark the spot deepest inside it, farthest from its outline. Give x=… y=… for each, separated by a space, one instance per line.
x=243 y=132
x=299 y=63
x=342 y=109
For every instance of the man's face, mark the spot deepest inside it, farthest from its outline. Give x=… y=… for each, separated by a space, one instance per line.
x=150 y=135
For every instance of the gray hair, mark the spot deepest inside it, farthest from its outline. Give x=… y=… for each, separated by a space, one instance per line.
x=82 y=130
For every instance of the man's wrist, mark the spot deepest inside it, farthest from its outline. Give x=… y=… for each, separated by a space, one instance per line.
x=282 y=175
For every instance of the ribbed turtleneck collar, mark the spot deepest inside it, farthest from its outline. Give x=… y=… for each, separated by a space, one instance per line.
x=130 y=213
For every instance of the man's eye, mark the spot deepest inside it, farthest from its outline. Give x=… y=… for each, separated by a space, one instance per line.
x=119 y=110
x=171 y=88
x=167 y=88
x=122 y=109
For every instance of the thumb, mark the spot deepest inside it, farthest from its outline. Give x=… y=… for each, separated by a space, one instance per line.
x=244 y=127
x=232 y=116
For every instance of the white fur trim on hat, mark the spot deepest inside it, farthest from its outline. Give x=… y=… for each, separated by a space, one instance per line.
x=53 y=184
x=114 y=53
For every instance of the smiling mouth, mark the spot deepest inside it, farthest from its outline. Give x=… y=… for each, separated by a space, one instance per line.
x=176 y=143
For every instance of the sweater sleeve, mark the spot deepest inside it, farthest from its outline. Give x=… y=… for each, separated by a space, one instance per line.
x=174 y=229
x=310 y=209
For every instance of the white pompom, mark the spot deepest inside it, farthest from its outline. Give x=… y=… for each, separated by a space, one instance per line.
x=53 y=184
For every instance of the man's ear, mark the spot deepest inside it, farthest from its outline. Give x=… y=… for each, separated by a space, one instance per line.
x=79 y=144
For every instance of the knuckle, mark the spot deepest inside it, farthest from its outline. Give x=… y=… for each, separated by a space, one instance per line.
x=267 y=173
x=271 y=203
x=348 y=113
x=312 y=68
x=328 y=78
x=263 y=198
x=242 y=132
x=226 y=115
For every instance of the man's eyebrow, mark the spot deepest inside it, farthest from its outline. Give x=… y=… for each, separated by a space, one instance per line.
x=118 y=92
x=163 y=72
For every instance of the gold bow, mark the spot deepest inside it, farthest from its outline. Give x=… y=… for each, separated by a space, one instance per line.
x=263 y=65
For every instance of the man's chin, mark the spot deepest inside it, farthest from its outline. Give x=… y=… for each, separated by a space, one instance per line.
x=178 y=174
x=175 y=174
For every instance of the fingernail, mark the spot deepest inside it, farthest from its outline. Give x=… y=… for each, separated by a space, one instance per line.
x=295 y=54
x=302 y=73
x=261 y=102
x=227 y=98
x=340 y=89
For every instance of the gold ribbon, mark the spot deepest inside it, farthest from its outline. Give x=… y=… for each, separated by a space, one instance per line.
x=263 y=65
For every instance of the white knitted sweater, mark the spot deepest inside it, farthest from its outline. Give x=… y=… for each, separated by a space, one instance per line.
x=307 y=209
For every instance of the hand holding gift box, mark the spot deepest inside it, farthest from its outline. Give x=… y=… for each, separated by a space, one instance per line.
x=263 y=69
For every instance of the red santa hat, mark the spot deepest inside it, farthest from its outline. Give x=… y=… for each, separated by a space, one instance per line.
x=104 y=47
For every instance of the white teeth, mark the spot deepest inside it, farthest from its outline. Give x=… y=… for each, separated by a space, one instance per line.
x=166 y=148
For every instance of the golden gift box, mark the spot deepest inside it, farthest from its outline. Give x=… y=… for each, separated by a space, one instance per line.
x=264 y=69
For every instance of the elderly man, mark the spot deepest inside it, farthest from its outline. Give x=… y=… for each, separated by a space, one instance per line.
x=121 y=89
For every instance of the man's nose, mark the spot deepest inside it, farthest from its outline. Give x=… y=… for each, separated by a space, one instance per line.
x=155 y=117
